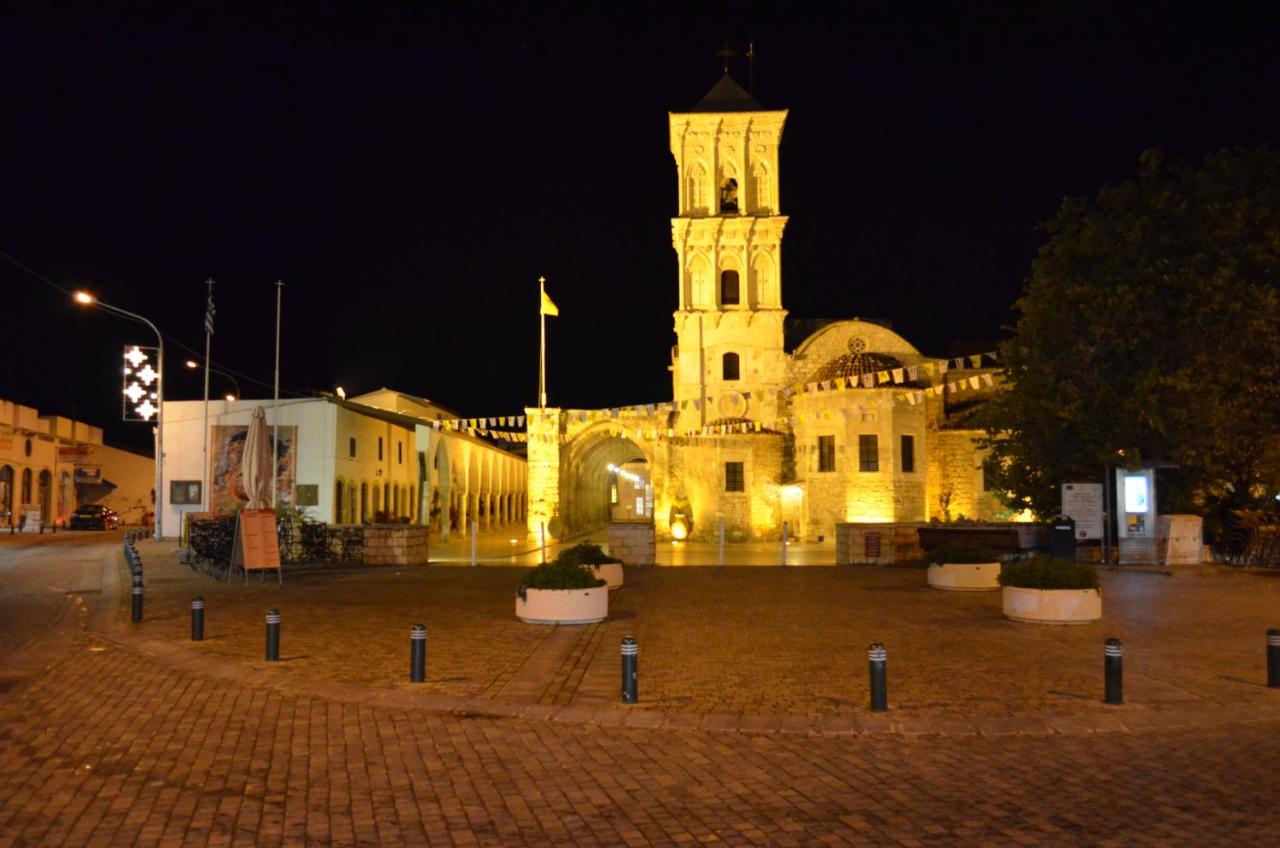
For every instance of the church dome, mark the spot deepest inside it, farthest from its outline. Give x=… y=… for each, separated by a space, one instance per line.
x=856 y=362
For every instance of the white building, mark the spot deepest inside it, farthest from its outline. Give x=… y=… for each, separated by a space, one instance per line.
x=374 y=457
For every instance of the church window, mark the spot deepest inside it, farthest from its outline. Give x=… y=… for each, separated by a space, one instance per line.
x=379 y=448
x=729 y=195
x=734 y=479
x=869 y=453
x=697 y=189
x=351 y=447
x=731 y=369
x=760 y=175
x=908 y=454
x=364 y=501
x=337 y=501
x=400 y=453
x=826 y=453
x=729 y=292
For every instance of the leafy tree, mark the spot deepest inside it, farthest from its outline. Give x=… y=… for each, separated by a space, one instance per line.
x=1150 y=329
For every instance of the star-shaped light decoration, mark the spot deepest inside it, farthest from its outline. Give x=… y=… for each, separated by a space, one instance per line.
x=134 y=392
x=147 y=374
x=146 y=410
x=134 y=356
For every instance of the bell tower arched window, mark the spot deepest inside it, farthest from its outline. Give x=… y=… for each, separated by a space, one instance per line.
x=730 y=366
x=729 y=289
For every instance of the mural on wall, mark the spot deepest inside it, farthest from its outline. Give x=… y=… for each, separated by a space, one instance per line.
x=226 y=451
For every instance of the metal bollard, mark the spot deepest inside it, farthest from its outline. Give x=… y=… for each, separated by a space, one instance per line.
x=135 y=614
x=273 y=635
x=1273 y=659
x=1113 y=653
x=418 y=653
x=877 y=659
x=197 y=619
x=630 y=670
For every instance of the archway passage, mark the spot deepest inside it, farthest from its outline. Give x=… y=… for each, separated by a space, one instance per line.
x=586 y=480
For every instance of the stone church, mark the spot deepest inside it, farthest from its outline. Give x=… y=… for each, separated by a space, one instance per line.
x=852 y=424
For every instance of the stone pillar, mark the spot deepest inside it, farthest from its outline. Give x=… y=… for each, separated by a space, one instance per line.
x=543 y=428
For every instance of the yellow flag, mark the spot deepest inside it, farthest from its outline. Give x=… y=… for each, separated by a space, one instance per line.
x=548 y=308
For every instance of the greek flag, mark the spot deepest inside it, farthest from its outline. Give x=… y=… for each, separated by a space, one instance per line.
x=209 y=312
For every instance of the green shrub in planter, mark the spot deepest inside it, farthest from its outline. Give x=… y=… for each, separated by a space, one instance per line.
x=1046 y=572
x=585 y=553
x=558 y=575
x=961 y=552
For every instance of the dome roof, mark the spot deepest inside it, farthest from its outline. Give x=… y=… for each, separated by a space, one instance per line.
x=855 y=365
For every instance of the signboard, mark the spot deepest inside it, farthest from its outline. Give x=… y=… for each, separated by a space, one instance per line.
x=88 y=475
x=1137 y=497
x=1083 y=502
x=32 y=521
x=256 y=546
x=226 y=481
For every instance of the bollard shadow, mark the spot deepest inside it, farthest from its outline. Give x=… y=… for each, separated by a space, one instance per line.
x=622 y=615
x=1246 y=681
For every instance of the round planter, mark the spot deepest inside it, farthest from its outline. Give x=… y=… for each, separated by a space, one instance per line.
x=965 y=576
x=610 y=572
x=1052 y=606
x=563 y=606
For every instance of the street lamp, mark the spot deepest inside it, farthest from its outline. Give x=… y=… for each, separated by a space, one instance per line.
x=85 y=299
x=192 y=364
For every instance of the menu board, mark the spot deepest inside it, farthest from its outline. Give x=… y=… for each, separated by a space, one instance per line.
x=257 y=546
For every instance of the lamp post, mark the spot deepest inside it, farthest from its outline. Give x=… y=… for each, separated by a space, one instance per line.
x=192 y=364
x=86 y=299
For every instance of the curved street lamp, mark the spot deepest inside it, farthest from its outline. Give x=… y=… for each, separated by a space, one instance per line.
x=85 y=299
x=192 y=364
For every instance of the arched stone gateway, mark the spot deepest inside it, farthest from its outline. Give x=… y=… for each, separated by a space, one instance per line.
x=588 y=478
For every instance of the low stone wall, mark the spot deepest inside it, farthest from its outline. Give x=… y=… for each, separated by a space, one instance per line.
x=633 y=542
x=877 y=544
x=395 y=544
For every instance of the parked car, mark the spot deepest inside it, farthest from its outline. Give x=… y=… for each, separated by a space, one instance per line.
x=94 y=517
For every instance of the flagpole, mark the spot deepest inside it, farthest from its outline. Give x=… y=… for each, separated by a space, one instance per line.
x=208 y=341
x=542 y=344
x=275 y=406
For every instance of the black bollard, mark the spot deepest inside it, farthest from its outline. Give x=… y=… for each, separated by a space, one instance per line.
x=273 y=635
x=418 y=653
x=1273 y=659
x=630 y=670
x=135 y=614
x=877 y=659
x=1113 y=660
x=197 y=619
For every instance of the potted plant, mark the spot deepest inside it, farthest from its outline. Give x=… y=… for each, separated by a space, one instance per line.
x=964 y=567
x=605 y=567
x=1047 y=590
x=562 y=592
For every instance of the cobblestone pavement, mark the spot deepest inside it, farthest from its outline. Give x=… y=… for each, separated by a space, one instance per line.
x=109 y=746
x=747 y=641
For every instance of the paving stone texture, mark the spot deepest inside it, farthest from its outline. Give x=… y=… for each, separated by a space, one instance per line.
x=131 y=737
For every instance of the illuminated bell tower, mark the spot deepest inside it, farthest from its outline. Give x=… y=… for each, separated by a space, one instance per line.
x=729 y=362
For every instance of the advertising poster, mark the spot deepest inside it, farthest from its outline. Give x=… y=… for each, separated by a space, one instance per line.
x=226 y=452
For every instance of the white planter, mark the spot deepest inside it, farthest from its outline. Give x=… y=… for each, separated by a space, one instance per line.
x=1052 y=606
x=965 y=576
x=610 y=572
x=563 y=606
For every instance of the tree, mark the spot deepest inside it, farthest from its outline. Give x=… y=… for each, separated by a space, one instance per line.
x=1150 y=329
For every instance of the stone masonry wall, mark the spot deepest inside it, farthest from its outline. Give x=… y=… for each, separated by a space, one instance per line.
x=396 y=544
x=877 y=544
x=633 y=542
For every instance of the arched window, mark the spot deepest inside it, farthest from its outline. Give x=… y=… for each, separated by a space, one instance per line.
x=26 y=486
x=729 y=195
x=337 y=502
x=364 y=502
x=763 y=195
x=729 y=291
x=731 y=368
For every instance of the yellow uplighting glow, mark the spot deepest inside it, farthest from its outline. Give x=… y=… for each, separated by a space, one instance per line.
x=679 y=529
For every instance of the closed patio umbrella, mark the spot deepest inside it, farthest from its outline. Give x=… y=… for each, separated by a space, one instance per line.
x=257 y=467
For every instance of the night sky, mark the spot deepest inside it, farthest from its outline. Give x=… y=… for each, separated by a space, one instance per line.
x=410 y=175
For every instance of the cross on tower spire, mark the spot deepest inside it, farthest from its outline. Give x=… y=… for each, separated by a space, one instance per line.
x=725 y=54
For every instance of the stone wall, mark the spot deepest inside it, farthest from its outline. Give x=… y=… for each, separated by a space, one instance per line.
x=955 y=477
x=633 y=542
x=395 y=544
x=877 y=544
